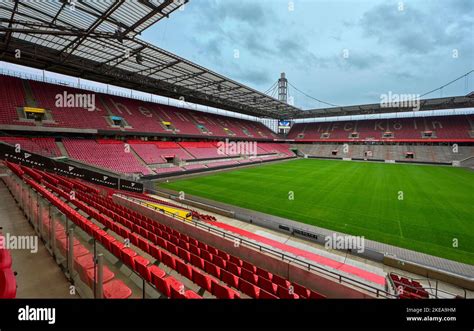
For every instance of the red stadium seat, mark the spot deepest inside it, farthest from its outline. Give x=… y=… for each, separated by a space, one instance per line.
x=267 y=285
x=197 y=261
x=141 y=266
x=107 y=276
x=284 y=293
x=203 y=281
x=168 y=260
x=266 y=295
x=127 y=256
x=233 y=269
x=116 y=289
x=249 y=266
x=155 y=252
x=184 y=269
x=222 y=292
x=212 y=269
x=155 y=272
x=249 y=276
x=249 y=289
x=230 y=279
x=7 y=284
x=281 y=281
x=191 y=295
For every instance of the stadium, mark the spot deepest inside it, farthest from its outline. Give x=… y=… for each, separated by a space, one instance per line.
x=129 y=172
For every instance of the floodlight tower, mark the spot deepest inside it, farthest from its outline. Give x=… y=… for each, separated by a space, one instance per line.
x=283 y=125
x=283 y=88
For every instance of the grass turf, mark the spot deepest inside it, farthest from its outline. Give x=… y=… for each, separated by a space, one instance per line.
x=357 y=198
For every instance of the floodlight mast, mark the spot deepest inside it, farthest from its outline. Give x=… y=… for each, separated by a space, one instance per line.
x=283 y=88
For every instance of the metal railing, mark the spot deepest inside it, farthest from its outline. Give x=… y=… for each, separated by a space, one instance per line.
x=342 y=279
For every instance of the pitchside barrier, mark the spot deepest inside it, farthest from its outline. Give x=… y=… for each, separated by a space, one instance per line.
x=195 y=171
x=327 y=282
x=377 y=160
x=19 y=156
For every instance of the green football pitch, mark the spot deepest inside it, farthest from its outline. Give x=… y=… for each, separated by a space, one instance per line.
x=429 y=209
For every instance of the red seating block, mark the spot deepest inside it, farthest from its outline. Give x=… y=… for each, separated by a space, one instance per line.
x=266 y=295
x=127 y=256
x=116 y=289
x=172 y=248
x=265 y=274
x=191 y=295
x=212 y=269
x=202 y=245
x=280 y=281
x=249 y=289
x=219 y=261
x=184 y=269
x=203 y=281
x=184 y=254
x=222 y=292
x=195 y=250
x=168 y=260
x=267 y=285
x=206 y=255
x=302 y=291
x=249 y=276
x=5 y=259
x=155 y=252
x=235 y=260
x=143 y=244
x=7 y=284
x=117 y=248
x=197 y=261
x=155 y=272
x=230 y=279
x=107 y=276
x=141 y=265
x=249 y=266
x=233 y=268
x=284 y=293
x=223 y=255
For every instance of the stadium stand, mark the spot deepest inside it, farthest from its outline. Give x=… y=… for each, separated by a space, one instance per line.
x=215 y=271
x=137 y=116
x=417 y=129
x=406 y=153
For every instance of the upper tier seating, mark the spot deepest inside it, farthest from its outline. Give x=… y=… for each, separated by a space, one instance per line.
x=139 y=116
x=12 y=96
x=441 y=127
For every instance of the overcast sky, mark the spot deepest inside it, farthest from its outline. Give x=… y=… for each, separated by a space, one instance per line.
x=404 y=47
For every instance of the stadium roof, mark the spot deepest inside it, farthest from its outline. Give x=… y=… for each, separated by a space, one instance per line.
x=425 y=104
x=97 y=40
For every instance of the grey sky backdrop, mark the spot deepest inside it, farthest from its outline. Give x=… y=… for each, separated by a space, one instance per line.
x=403 y=47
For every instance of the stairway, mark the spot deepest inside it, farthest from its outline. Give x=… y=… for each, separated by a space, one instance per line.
x=30 y=100
x=62 y=149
